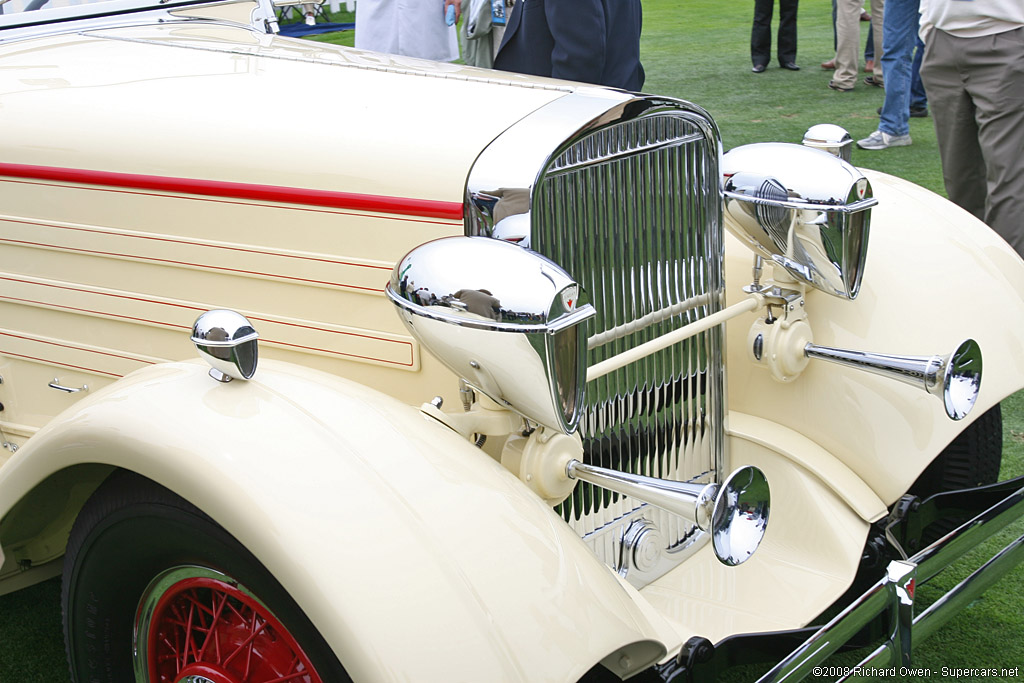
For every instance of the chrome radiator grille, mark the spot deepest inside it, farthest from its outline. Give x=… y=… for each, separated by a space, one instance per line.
x=632 y=211
x=630 y=205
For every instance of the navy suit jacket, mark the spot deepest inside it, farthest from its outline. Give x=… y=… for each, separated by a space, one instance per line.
x=595 y=41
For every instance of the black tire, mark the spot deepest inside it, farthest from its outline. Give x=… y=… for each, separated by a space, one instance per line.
x=972 y=459
x=133 y=530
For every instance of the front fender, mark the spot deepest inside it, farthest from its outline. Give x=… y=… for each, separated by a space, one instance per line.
x=935 y=276
x=415 y=554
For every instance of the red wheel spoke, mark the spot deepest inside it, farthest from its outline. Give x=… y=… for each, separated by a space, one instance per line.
x=245 y=643
x=289 y=677
x=189 y=636
x=248 y=654
x=211 y=634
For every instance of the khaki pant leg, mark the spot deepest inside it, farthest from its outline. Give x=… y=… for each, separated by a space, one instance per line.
x=847 y=42
x=877 y=12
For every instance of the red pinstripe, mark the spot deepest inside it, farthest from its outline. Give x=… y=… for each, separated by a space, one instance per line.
x=405 y=206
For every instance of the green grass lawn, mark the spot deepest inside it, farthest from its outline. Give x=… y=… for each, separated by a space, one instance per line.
x=699 y=50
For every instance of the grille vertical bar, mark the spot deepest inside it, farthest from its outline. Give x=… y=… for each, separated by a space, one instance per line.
x=632 y=212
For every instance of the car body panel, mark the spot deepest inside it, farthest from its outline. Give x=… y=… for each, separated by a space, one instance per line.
x=808 y=557
x=410 y=493
x=101 y=227
x=927 y=262
x=247 y=85
x=393 y=522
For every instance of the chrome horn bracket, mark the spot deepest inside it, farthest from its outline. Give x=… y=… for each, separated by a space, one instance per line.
x=777 y=341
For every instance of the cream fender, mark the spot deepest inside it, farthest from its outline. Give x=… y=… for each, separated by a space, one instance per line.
x=926 y=263
x=416 y=555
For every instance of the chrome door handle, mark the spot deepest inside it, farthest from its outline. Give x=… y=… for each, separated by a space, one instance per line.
x=55 y=384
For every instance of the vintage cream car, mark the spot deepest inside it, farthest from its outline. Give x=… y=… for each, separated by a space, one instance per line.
x=658 y=447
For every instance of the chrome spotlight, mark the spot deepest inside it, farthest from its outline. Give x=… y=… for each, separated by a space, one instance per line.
x=503 y=318
x=802 y=208
x=227 y=341
x=735 y=512
x=830 y=138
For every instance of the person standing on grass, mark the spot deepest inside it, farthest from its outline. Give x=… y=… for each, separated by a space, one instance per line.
x=899 y=35
x=848 y=44
x=869 y=44
x=973 y=72
x=761 y=35
x=594 y=41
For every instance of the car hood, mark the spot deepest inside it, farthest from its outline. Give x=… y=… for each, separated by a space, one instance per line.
x=226 y=103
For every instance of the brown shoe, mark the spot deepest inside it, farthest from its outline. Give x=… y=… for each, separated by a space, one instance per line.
x=829 y=65
x=869 y=66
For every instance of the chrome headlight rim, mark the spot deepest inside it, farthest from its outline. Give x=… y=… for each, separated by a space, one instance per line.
x=565 y=321
x=854 y=207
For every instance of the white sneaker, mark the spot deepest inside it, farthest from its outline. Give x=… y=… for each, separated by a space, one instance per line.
x=881 y=140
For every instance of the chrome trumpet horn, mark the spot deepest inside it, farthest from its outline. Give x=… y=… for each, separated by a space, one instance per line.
x=734 y=512
x=954 y=378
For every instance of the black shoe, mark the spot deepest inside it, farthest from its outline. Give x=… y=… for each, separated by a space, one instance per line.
x=759 y=68
x=871 y=80
x=790 y=65
x=837 y=87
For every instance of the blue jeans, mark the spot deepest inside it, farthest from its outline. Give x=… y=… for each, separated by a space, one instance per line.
x=899 y=36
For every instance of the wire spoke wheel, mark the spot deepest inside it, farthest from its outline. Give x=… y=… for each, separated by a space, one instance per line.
x=196 y=625
x=155 y=591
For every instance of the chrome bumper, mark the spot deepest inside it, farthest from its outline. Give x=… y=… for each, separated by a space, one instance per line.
x=885 y=612
x=891 y=600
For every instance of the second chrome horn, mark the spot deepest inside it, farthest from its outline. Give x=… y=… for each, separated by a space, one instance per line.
x=955 y=378
x=734 y=512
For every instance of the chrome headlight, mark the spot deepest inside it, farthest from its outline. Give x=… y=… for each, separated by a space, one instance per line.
x=805 y=209
x=503 y=318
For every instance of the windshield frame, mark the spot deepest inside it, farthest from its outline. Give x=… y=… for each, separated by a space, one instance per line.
x=120 y=12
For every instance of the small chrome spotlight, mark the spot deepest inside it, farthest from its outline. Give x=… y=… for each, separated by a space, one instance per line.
x=228 y=342
x=830 y=138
